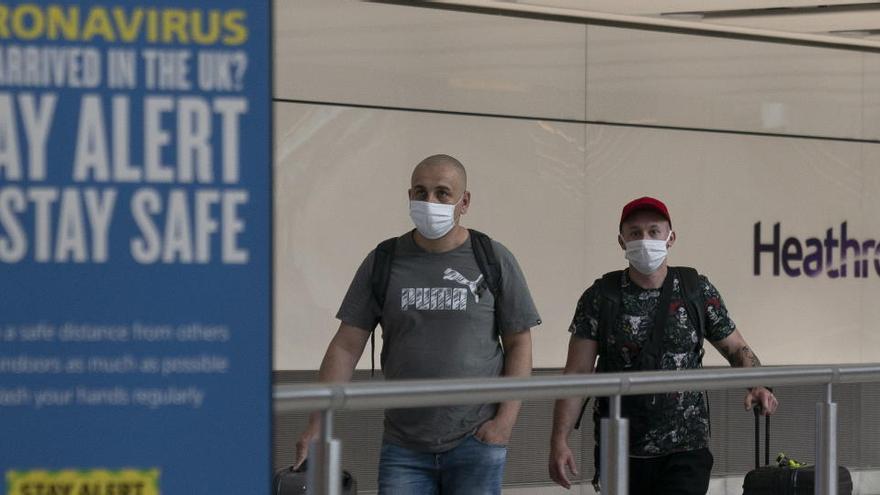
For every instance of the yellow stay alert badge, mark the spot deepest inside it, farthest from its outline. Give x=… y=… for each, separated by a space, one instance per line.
x=83 y=482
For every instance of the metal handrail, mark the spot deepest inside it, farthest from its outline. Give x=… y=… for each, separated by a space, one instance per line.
x=424 y=393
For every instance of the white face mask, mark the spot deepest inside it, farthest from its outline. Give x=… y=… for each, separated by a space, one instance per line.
x=647 y=255
x=433 y=220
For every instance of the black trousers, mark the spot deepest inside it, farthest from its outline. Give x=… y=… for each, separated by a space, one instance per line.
x=682 y=473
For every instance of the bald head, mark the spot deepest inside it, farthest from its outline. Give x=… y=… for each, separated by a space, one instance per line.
x=442 y=161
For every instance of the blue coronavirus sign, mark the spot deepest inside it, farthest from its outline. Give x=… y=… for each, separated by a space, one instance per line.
x=135 y=196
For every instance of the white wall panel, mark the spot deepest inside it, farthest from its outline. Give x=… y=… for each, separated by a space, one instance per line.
x=717 y=186
x=644 y=77
x=342 y=174
x=341 y=178
x=353 y=52
x=871 y=98
x=867 y=342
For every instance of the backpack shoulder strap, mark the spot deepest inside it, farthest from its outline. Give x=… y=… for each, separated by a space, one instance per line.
x=609 y=302
x=609 y=307
x=609 y=285
x=379 y=278
x=381 y=272
x=691 y=280
x=610 y=296
x=487 y=261
x=690 y=288
x=696 y=310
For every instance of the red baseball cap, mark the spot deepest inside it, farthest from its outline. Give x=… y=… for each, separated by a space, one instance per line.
x=644 y=203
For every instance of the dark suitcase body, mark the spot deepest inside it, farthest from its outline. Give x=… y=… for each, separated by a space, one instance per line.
x=775 y=480
x=289 y=481
x=779 y=480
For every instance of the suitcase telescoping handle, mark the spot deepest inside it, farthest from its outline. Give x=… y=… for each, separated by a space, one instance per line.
x=757 y=410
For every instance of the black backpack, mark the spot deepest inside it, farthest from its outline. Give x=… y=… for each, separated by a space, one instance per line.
x=610 y=300
x=484 y=254
x=610 y=297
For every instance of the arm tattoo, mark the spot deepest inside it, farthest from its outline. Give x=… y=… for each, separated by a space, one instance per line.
x=742 y=357
x=728 y=353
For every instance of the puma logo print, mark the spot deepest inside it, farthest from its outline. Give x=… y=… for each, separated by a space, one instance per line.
x=442 y=298
x=474 y=285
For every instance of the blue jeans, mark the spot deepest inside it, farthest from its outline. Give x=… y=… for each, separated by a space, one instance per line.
x=472 y=467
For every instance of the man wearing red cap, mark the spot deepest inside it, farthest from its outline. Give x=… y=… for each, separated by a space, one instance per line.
x=618 y=319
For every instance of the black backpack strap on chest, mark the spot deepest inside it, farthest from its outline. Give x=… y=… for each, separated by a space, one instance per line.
x=610 y=296
x=381 y=272
x=487 y=261
x=691 y=290
x=379 y=278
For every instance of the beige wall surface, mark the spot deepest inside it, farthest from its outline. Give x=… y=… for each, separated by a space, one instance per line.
x=341 y=181
x=646 y=77
x=365 y=91
x=361 y=53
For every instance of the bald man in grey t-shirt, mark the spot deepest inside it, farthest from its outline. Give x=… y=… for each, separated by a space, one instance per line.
x=438 y=321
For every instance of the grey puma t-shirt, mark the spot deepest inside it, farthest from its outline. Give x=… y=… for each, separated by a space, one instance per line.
x=439 y=322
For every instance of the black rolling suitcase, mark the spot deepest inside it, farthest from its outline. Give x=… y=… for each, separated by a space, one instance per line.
x=289 y=481
x=785 y=479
